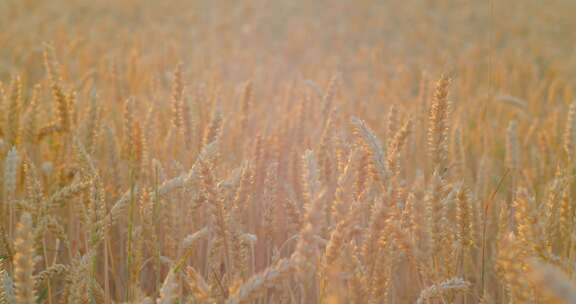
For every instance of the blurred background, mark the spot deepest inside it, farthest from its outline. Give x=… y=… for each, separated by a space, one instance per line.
x=270 y=80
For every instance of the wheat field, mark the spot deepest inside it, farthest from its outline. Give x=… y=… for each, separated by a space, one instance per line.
x=260 y=151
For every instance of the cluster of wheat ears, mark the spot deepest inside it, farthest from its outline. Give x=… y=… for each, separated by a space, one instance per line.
x=251 y=160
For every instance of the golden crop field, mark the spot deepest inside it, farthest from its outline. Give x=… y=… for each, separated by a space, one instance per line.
x=264 y=151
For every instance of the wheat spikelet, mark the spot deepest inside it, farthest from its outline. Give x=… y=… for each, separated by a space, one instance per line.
x=395 y=146
x=339 y=206
x=48 y=274
x=241 y=244
x=379 y=214
x=374 y=146
x=293 y=214
x=78 y=280
x=311 y=176
x=24 y=261
x=127 y=127
x=29 y=127
x=438 y=126
x=197 y=285
x=219 y=218
x=392 y=123
x=214 y=128
x=524 y=220
x=503 y=224
x=188 y=242
x=408 y=219
x=357 y=284
x=304 y=254
x=92 y=124
x=177 y=99
x=6 y=292
x=49 y=64
x=362 y=174
x=379 y=282
x=450 y=285
x=434 y=211
x=243 y=192
x=62 y=195
x=511 y=266
x=62 y=108
x=14 y=111
x=338 y=239
x=323 y=153
x=566 y=212
x=50 y=224
x=30 y=180
x=464 y=215
x=10 y=173
x=270 y=201
x=258 y=283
